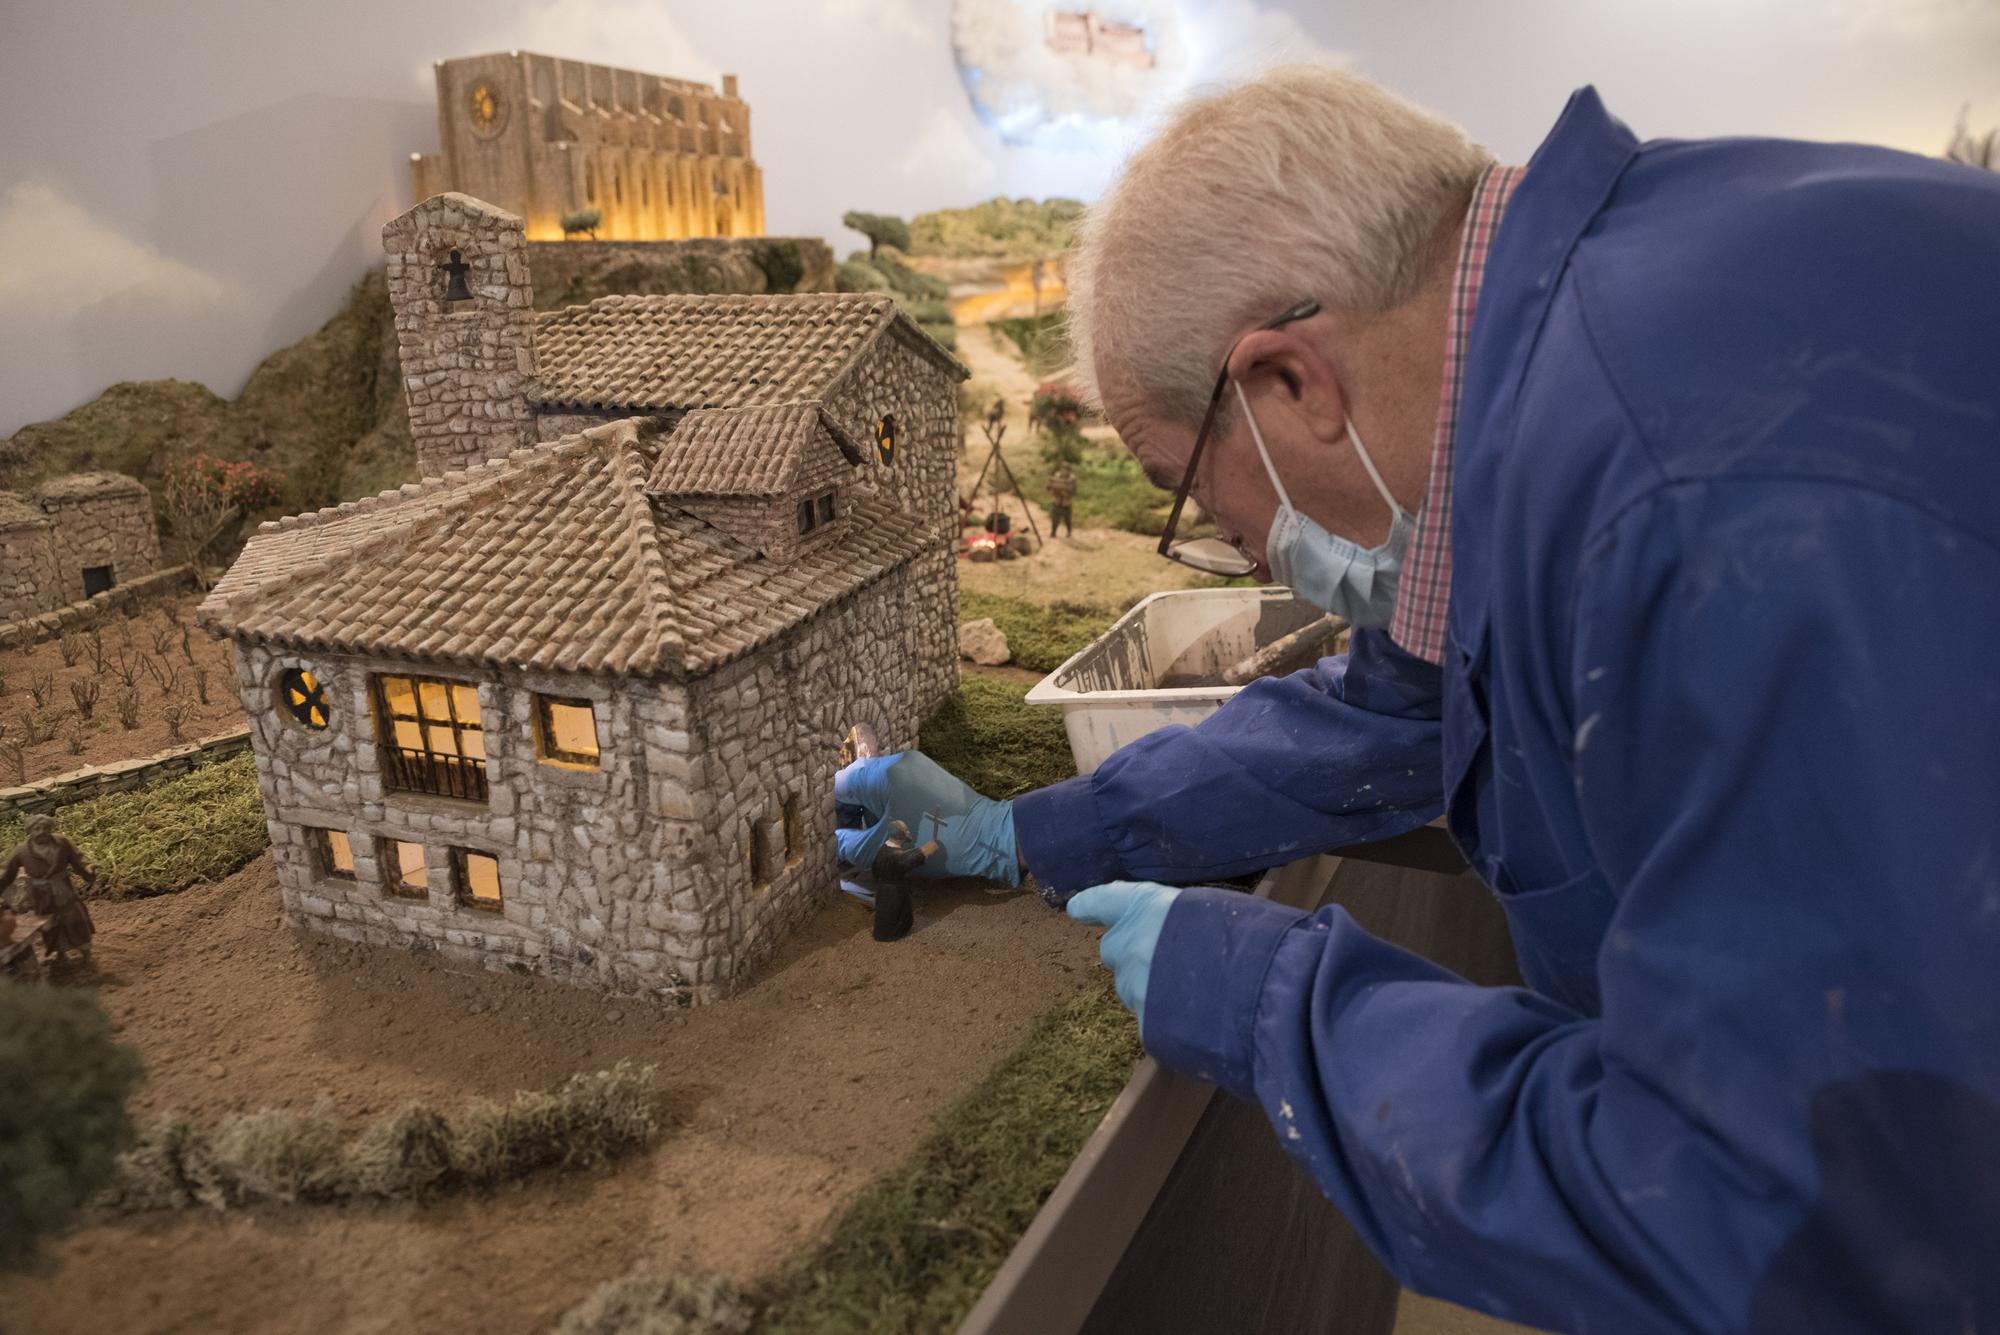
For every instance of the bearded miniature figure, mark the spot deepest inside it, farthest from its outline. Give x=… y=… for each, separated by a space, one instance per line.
x=47 y=859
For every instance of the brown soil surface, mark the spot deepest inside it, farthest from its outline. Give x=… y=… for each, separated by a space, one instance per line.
x=824 y=1073
x=105 y=738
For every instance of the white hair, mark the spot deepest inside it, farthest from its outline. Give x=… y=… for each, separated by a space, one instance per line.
x=1305 y=182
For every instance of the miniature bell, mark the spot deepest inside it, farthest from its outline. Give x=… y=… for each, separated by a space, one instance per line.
x=455 y=271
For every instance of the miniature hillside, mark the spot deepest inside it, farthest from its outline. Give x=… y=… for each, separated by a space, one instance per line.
x=328 y=412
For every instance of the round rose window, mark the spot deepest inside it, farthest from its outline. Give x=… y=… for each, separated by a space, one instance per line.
x=303 y=696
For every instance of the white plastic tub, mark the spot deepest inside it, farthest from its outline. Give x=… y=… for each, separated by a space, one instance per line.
x=1129 y=680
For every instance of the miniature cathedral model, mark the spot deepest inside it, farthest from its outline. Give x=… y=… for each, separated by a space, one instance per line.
x=575 y=701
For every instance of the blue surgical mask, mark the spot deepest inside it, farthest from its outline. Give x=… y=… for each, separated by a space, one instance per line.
x=1331 y=573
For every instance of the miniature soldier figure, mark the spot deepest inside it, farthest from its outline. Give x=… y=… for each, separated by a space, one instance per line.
x=996 y=413
x=1062 y=491
x=47 y=859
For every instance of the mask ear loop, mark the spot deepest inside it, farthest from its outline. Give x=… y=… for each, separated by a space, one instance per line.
x=1258 y=436
x=1395 y=510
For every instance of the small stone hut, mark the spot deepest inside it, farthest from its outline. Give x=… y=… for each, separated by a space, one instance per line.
x=73 y=537
x=579 y=706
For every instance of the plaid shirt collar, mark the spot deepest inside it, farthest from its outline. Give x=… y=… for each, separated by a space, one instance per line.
x=1424 y=593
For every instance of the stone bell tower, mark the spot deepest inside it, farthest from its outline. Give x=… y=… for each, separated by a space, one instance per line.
x=465 y=327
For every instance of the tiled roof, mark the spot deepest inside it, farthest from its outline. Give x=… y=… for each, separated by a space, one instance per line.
x=666 y=352
x=745 y=451
x=551 y=558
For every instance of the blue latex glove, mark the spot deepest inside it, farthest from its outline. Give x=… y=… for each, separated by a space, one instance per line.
x=975 y=835
x=1135 y=911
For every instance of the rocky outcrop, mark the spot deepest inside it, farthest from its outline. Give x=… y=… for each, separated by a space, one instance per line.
x=328 y=412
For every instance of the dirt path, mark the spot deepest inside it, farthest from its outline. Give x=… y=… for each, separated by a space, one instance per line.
x=823 y=1074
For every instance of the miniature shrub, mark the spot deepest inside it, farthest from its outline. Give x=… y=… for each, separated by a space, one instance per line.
x=858 y=276
x=1043 y=341
x=404 y=1156
x=1000 y=228
x=275 y=1154
x=782 y=264
x=881 y=229
x=1041 y=636
x=591 y=1119
x=987 y=736
x=63 y=1085
x=657 y=1302
x=199 y=826
x=914 y=1251
x=583 y=220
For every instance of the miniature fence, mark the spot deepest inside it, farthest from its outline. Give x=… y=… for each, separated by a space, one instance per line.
x=121 y=775
x=29 y=631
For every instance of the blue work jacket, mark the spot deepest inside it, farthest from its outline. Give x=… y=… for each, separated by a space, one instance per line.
x=1719 y=724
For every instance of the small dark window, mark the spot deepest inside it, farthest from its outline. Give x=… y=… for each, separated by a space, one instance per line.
x=806 y=520
x=96 y=579
x=794 y=844
x=756 y=855
x=303 y=696
x=885 y=438
x=826 y=508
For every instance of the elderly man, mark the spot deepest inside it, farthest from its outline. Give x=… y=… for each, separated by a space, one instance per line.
x=1663 y=480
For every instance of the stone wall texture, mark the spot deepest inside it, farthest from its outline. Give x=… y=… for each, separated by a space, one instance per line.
x=465 y=364
x=636 y=877
x=50 y=537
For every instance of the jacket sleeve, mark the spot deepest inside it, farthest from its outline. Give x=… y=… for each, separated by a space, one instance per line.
x=1339 y=753
x=1786 y=748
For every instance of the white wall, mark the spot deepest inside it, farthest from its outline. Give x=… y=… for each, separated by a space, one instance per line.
x=185 y=187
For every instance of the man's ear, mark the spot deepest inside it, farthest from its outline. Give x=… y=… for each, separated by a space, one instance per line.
x=1285 y=373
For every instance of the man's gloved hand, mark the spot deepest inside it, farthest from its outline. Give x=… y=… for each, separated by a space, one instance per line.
x=1135 y=911
x=975 y=834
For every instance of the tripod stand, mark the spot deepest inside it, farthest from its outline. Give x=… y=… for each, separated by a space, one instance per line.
x=994 y=432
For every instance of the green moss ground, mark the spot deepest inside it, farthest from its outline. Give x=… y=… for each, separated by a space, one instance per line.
x=167 y=836
x=988 y=737
x=916 y=1248
x=1042 y=637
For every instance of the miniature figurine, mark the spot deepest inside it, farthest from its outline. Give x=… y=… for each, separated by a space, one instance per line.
x=894 y=865
x=1062 y=491
x=997 y=413
x=46 y=859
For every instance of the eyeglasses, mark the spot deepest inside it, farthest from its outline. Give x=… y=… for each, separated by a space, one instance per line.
x=1212 y=555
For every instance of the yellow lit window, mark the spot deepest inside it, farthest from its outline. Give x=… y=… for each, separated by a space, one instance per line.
x=403 y=870
x=478 y=876
x=303 y=696
x=336 y=855
x=569 y=732
x=885 y=438
x=432 y=740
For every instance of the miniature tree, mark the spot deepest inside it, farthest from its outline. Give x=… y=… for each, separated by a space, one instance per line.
x=583 y=220
x=881 y=229
x=63 y=1086
x=1057 y=411
x=205 y=499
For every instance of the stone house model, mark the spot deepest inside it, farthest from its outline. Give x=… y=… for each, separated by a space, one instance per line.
x=73 y=537
x=658 y=158
x=578 y=705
